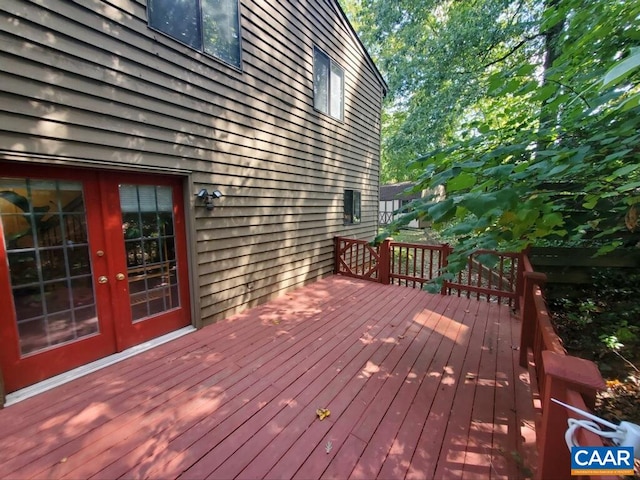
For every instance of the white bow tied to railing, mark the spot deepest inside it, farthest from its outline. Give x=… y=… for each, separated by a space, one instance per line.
x=626 y=434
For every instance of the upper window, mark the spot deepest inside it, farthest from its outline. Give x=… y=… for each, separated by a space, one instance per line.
x=211 y=26
x=328 y=85
x=351 y=207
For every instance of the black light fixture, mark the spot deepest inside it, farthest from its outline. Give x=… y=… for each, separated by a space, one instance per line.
x=207 y=198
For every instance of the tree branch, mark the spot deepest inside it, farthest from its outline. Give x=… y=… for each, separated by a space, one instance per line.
x=512 y=51
x=570 y=88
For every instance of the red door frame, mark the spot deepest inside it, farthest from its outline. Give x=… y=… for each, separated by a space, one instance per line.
x=128 y=333
x=104 y=231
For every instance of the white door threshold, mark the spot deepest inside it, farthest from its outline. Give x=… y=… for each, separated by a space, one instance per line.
x=66 y=377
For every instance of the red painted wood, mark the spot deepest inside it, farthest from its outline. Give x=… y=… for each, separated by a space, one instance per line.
x=466 y=390
x=238 y=399
x=17 y=371
x=209 y=421
x=347 y=367
x=428 y=450
x=104 y=228
x=428 y=366
x=505 y=429
x=525 y=393
x=351 y=404
x=414 y=369
x=127 y=332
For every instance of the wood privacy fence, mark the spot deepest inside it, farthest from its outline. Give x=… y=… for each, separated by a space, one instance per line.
x=577 y=265
x=414 y=265
x=553 y=373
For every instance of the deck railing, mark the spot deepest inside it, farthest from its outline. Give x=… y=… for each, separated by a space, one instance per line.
x=414 y=265
x=553 y=373
x=356 y=258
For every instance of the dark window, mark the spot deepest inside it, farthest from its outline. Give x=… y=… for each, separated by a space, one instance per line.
x=328 y=85
x=351 y=207
x=211 y=26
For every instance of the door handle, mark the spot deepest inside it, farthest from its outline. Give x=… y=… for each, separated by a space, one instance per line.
x=120 y=276
x=103 y=279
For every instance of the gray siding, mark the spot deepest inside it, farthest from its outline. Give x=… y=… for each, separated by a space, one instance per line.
x=90 y=82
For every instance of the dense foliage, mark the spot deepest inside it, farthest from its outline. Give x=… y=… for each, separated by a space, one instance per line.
x=526 y=111
x=601 y=322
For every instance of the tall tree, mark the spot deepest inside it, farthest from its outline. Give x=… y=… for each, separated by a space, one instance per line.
x=581 y=110
x=529 y=112
x=436 y=56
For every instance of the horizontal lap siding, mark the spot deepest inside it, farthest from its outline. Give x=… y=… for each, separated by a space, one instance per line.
x=90 y=81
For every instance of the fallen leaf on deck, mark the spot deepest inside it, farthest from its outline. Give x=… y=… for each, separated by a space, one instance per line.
x=322 y=413
x=470 y=376
x=328 y=447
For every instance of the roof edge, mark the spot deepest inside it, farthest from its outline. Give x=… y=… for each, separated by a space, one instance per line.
x=385 y=87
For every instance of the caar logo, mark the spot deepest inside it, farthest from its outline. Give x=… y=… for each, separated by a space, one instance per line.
x=601 y=460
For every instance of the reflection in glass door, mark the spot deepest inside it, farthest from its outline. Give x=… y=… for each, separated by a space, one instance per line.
x=89 y=266
x=45 y=234
x=150 y=246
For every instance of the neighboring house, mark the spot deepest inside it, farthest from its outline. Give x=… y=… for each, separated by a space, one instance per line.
x=392 y=198
x=117 y=115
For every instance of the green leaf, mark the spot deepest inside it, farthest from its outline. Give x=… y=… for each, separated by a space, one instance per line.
x=442 y=210
x=622 y=171
x=461 y=182
x=488 y=259
x=608 y=248
x=622 y=68
x=553 y=220
x=501 y=171
x=631 y=102
x=558 y=169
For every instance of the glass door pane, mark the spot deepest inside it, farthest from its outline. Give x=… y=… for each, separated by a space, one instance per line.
x=45 y=235
x=148 y=231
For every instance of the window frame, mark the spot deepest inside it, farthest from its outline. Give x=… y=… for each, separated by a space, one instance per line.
x=331 y=65
x=352 y=205
x=201 y=48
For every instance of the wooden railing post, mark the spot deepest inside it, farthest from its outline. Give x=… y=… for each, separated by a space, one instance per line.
x=384 y=267
x=562 y=372
x=446 y=250
x=520 y=277
x=336 y=255
x=3 y=397
x=528 y=313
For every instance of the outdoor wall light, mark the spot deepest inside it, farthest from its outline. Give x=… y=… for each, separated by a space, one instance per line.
x=207 y=198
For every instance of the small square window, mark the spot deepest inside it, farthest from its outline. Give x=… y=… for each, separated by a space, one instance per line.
x=328 y=85
x=352 y=211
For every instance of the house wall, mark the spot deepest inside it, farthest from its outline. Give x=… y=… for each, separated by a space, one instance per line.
x=88 y=83
x=386 y=216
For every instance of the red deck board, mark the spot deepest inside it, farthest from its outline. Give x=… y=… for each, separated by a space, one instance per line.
x=428 y=450
x=237 y=399
x=350 y=404
x=465 y=376
x=347 y=367
x=505 y=433
x=428 y=369
x=474 y=446
x=380 y=442
x=319 y=389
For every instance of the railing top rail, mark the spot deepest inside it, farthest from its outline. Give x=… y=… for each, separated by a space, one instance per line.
x=498 y=254
x=353 y=240
x=423 y=246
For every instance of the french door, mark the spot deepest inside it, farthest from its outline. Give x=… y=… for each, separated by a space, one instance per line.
x=91 y=263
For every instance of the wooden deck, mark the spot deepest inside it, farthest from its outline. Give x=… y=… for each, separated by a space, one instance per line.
x=418 y=386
